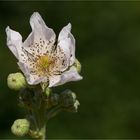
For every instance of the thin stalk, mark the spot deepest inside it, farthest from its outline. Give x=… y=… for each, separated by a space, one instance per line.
x=42 y=119
x=54 y=111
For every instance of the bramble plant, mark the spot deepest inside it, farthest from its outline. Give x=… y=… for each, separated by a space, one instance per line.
x=45 y=63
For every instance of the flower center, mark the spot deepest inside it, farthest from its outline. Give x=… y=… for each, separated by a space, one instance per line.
x=43 y=64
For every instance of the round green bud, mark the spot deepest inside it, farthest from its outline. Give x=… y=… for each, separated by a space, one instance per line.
x=16 y=81
x=20 y=127
x=78 y=65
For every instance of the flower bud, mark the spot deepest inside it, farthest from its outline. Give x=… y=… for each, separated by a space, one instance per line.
x=78 y=65
x=16 y=81
x=74 y=108
x=54 y=99
x=20 y=127
x=68 y=98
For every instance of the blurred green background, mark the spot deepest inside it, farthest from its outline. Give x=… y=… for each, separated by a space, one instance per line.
x=108 y=47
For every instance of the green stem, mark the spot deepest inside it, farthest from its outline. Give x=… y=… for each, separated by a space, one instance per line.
x=54 y=111
x=43 y=133
x=39 y=124
x=42 y=118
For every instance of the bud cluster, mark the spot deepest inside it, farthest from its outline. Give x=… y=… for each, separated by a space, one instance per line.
x=66 y=100
x=41 y=104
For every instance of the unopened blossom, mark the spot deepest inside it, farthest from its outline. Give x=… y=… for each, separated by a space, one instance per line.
x=20 y=127
x=41 y=57
x=16 y=81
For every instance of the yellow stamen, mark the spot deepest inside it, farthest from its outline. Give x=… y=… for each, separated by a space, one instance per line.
x=43 y=61
x=42 y=64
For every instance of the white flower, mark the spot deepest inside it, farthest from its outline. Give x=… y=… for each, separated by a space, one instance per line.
x=39 y=58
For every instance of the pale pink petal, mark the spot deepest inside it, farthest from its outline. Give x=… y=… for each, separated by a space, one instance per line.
x=32 y=79
x=66 y=42
x=53 y=80
x=67 y=76
x=40 y=28
x=14 y=41
x=41 y=40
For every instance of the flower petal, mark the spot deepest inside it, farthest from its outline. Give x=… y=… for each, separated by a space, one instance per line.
x=14 y=41
x=63 y=54
x=67 y=76
x=39 y=28
x=32 y=79
x=41 y=39
x=66 y=42
x=53 y=80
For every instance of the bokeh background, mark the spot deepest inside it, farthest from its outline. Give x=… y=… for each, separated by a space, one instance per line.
x=108 y=47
